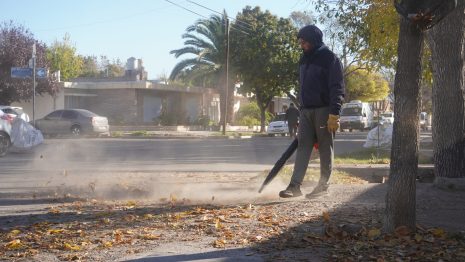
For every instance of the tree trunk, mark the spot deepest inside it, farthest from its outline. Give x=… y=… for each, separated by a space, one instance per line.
x=230 y=112
x=262 y=118
x=229 y=103
x=400 y=198
x=447 y=44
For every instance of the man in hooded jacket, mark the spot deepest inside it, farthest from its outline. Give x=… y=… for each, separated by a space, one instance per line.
x=321 y=97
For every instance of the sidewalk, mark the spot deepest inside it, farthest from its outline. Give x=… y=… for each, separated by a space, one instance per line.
x=214 y=220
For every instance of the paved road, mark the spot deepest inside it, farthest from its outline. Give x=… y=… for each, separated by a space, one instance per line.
x=164 y=154
x=87 y=159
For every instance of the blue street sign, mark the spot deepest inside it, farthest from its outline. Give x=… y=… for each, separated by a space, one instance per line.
x=26 y=72
x=41 y=73
x=21 y=72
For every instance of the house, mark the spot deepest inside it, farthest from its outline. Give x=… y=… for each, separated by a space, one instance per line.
x=132 y=99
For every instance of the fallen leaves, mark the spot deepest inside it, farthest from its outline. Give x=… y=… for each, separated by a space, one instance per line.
x=14 y=245
x=374 y=233
x=130 y=224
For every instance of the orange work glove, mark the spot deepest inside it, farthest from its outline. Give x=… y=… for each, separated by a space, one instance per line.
x=333 y=123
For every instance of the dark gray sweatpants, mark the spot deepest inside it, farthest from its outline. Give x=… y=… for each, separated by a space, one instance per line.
x=313 y=128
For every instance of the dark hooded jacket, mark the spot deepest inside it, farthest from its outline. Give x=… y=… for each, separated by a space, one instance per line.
x=321 y=77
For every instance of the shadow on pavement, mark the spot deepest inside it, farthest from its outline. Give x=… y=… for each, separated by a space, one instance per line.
x=227 y=255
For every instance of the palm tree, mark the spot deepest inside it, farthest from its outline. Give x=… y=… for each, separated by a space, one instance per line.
x=206 y=40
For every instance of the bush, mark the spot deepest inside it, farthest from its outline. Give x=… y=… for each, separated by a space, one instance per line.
x=249 y=115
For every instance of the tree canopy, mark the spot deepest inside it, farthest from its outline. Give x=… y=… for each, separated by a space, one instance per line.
x=205 y=47
x=366 y=86
x=62 y=57
x=15 y=51
x=266 y=57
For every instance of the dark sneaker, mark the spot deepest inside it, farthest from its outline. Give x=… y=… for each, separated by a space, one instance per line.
x=318 y=191
x=291 y=191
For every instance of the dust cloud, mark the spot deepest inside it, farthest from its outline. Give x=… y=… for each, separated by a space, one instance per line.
x=68 y=171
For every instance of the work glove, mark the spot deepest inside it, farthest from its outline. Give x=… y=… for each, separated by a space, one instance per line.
x=333 y=123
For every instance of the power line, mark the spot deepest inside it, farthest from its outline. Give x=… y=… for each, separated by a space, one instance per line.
x=249 y=26
x=232 y=27
x=103 y=21
x=186 y=9
x=237 y=29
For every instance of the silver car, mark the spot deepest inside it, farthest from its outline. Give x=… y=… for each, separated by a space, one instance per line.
x=5 y=132
x=74 y=122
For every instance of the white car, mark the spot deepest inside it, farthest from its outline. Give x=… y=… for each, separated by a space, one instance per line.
x=5 y=132
x=278 y=126
x=15 y=111
x=388 y=116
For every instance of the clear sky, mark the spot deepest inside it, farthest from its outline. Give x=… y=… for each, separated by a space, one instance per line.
x=147 y=29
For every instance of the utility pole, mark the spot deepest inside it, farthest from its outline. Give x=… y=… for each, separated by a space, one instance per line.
x=226 y=98
x=34 y=84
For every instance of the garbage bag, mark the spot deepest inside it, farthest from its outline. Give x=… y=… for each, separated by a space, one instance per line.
x=385 y=136
x=24 y=135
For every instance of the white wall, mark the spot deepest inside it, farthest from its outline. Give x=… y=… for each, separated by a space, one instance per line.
x=44 y=105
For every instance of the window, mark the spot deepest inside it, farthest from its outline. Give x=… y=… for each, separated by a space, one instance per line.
x=69 y=115
x=9 y=111
x=351 y=111
x=55 y=114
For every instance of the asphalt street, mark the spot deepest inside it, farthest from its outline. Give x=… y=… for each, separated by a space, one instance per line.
x=91 y=158
x=160 y=154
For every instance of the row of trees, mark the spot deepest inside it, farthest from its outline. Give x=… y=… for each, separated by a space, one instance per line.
x=16 y=50
x=264 y=54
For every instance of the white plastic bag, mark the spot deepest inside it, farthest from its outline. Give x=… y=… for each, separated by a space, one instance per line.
x=385 y=136
x=24 y=135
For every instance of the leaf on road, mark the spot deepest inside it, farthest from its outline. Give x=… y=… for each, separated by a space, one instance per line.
x=148 y=216
x=438 y=233
x=14 y=232
x=150 y=237
x=131 y=204
x=107 y=244
x=374 y=233
x=219 y=243
x=218 y=224
x=71 y=247
x=55 y=231
x=15 y=244
x=402 y=231
x=326 y=217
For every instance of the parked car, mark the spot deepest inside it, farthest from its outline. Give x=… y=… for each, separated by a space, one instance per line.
x=389 y=116
x=278 y=125
x=379 y=119
x=15 y=111
x=5 y=132
x=73 y=122
x=356 y=115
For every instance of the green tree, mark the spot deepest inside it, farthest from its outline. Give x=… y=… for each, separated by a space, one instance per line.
x=249 y=115
x=366 y=86
x=109 y=68
x=62 y=56
x=15 y=51
x=266 y=59
x=90 y=67
x=206 y=45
